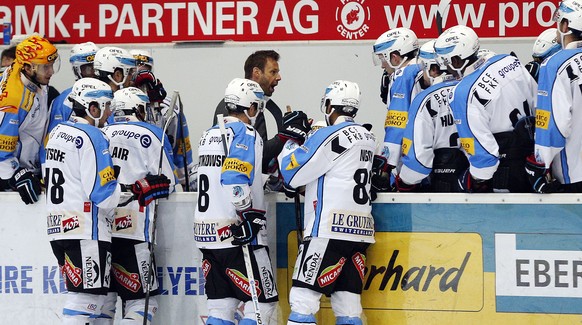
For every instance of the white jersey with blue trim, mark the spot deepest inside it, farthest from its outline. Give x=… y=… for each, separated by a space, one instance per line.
x=431 y=126
x=404 y=87
x=224 y=179
x=488 y=101
x=135 y=149
x=558 y=115
x=335 y=165
x=81 y=189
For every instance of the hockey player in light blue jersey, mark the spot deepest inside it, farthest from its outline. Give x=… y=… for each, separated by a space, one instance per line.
x=430 y=145
x=136 y=149
x=558 y=140
x=81 y=59
x=177 y=131
x=397 y=50
x=81 y=194
x=335 y=165
x=492 y=105
x=231 y=211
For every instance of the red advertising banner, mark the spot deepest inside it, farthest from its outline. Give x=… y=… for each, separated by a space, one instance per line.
x=113 y=21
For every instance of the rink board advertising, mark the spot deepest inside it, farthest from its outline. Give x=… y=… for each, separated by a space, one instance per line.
x=254 y=20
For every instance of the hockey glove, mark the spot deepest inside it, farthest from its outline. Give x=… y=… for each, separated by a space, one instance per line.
x=533 y=68
x=468 y=184
x=27 y=185
x=295 y=127
x=401 y=186
x=380 y=165
x=145 y=79
x=252 y=221
x=538 y=175
x=150 y=188
x=384 y=83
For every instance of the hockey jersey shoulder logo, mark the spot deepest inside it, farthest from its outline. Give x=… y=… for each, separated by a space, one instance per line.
x=292 y=162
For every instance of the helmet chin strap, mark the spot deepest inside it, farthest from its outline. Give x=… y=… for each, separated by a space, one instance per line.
x=563 y=36
x=118 y=84
x=251 y=119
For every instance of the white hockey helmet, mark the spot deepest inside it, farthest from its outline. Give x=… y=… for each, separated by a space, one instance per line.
x=241 y=93
x=143 y=57
x=402 y=39
x=110 y=58
x=343 y=96
x=571 y=11
x=461 y=41
x=129 y=104
x=546 y=44
x=86 y=91
x=81 y=55
x=427 y=58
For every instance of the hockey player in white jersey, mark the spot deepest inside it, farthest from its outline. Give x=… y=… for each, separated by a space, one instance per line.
x=558 y=138
x=335 y=165
x=135 y=147
x=81 y=59
x=397 y=49
x=430 y=146
x=492 y=105
x=231 y=211
x=81 y=194
x=177 y=130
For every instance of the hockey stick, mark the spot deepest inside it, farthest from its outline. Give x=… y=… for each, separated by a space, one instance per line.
x=245 y=248
x=442 y=8
x=183 y=144
x=297 y=203
x=168 y=116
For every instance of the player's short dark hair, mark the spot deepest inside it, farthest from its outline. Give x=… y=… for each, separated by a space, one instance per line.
x=259 y=60
x=9 y=53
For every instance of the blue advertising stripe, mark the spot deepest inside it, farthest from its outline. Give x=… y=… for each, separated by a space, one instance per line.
x=548 y=305
x=546 y=242
x=484 y=219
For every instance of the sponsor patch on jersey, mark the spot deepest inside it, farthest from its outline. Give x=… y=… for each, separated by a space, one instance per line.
x=406 y=144
x=396 y=119
x=359 y=261
x=53 y=224
x=128 y=280
x=145 y=141
x=123 y=222
x=242 y=282
x=13 y=121
x=241 y=146
x=398 y=95
x=542 y=119
x=8 y=143
x=237 y=165
x=86 y=206
x=292 y=162
x=79 y=143
x=71 y=224
x=331 y=273
x=206 y=266
x=106 y=175
x=205 y=232
x=224 y=233
x=72 y=272
x=352 y=223
x=542 y=93
x=90 y=273
x=310 y=265
x=468 y=145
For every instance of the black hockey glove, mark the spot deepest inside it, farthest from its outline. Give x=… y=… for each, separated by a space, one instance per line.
x=403 y=187
x=295 y=127
x=533 y=68
x=380 y=176
x=252 y=221
x=145 y=79
x=384 y=83
x=27 y=185
x=468 y=184
x=538 y=175
x=151 y=187
x=380 y=165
